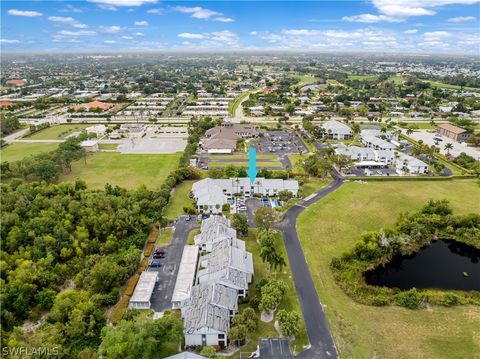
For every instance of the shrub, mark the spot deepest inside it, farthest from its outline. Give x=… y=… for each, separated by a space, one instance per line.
x=132 y=283
x=119 y=310
x=408 y=299
x=449 y=299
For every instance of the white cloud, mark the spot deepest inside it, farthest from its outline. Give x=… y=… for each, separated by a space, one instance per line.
x=111 y=29
x=253 y=33
x=127 y=37
x=138 y=33
x=16 y=12
x=410 y=31
x=187 y=35
x=141 y=23
x=109 y=42
x=116 y=3
x=400 y=10
x=370 y=18
x=155 y=11
x=70 y=21
x=223 y=19
x=197 y=12
x=9 y=41
x=462 y=19
x=211 y=40
x=76 y=33
x=70 y=8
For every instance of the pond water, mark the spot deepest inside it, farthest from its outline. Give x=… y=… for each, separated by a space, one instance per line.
x=439 y=265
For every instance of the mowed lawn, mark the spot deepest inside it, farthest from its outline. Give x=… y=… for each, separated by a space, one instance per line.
x=289 y=302
x=127 y=171
x=57 y=132
x=18 y=150
x=333 y=225
x=179 y=199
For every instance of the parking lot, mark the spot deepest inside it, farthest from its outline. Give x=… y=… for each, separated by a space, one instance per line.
x=167 y=273
x=152 y=145
x=361 y=172
x=429 y=139
x=281 y=142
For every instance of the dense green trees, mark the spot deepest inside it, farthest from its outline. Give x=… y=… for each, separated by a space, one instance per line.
x=289 y=322
x=8 y=123
x=66 y=236
x=272 y=292
x=141 y=338
x=240 y=224
x=268 y=250
x=242 y=324
x=265 y=218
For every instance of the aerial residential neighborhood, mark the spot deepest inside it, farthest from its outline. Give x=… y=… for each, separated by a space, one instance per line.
x=204 y=180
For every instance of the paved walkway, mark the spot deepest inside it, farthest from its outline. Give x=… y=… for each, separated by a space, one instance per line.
x=321 y=341
x=12 y=137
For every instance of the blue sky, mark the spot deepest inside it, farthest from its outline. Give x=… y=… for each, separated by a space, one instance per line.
x=423 y=26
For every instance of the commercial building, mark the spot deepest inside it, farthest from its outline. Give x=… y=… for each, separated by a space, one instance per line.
x=90 y=146
x=337 y=130
x=454 y=132
x=223 y=139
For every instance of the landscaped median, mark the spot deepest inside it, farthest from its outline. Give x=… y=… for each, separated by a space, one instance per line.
x=289 y=302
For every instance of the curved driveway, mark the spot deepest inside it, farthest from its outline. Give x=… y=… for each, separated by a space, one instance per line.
x=322 y=344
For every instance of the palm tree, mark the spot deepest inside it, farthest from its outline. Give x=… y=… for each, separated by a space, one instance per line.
x=448 y=147
x=409 y=131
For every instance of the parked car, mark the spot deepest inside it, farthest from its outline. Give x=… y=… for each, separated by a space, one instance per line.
x=159 y=252
x=155 y=263
x=188 y=218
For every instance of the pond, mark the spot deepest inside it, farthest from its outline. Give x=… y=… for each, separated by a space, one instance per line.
x=443 y=264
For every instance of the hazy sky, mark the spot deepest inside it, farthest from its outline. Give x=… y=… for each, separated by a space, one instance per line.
x=427 y=26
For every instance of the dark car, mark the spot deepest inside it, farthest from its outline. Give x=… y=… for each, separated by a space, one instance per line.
x=155 y=263
x=159 y=252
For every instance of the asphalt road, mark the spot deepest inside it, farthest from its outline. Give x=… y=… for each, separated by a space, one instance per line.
x=322 y=344
x=162 y=294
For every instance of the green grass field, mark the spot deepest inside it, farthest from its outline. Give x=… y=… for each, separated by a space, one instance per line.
x=333 y=225
x=334 y=83
x=396 y=79
x=305 y=80
x=178 y=200
x=18 y=150
x=128 y=171
x=233 y=105
x=453 y=87
x=362 y=77
x=57 y=132
x=289 y=302
x=108 y=146
x=165 y=237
